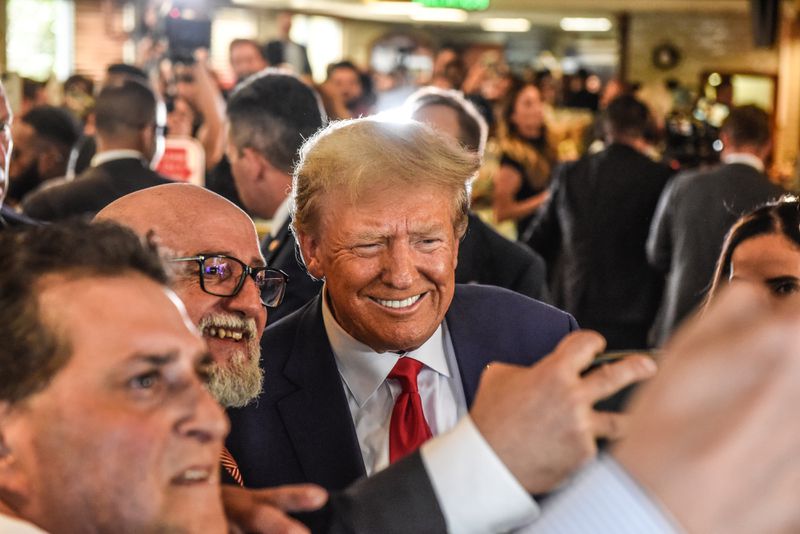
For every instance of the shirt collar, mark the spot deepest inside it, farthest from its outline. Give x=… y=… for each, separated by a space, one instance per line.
x=111 y=155
x=281 y=215
x=750 y=160
x=363 y=369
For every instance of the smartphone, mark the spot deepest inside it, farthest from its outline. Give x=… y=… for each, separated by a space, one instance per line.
x=619 y=401
x=617 y=355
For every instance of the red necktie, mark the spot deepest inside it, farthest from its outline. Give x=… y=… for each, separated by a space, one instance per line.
x=408 y=429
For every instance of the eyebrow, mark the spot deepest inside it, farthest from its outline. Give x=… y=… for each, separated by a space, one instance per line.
x=425 y=229
x=155 y=359
x=255 y=261
x=780 y=279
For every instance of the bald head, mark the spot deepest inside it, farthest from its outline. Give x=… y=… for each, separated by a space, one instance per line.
x=178 y=214
x=193 y=223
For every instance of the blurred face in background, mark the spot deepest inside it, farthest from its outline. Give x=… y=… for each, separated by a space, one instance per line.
x=528 y=112
x=771 y=261
x=246 y=60
x=180 y=119
x=346 y=83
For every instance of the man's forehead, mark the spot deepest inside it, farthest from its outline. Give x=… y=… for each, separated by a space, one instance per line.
x=121 y=308
x=207 y=237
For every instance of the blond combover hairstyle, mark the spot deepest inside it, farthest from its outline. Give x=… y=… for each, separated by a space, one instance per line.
x=356 y=155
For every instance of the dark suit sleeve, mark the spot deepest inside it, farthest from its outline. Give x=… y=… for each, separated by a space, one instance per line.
x=398 y=500
x=659 y=241
x=38 y=206
x=544 y=233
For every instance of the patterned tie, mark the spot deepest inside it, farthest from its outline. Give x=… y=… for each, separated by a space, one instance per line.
x=408 y=429
x=230 y=465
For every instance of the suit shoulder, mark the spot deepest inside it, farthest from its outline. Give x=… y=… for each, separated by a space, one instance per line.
x=283 y=331
x=499 y=306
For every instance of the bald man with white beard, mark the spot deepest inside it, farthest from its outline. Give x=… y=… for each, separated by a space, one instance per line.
x=190 y=223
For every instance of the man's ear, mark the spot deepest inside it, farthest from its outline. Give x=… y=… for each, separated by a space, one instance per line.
x=309 y=249
x=14 y=480
x=256 y=163
x=7 y=419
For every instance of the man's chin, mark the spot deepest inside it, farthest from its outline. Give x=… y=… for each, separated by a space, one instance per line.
x=226 y=351
x=237 y=378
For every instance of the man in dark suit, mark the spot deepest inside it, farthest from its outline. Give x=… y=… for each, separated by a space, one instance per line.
x=484 y=256
x=270 y=117
x=698 y=208
x=594 y=228
x=129 y=122
x=285 y=52
x=378 y=211
x=43 y=139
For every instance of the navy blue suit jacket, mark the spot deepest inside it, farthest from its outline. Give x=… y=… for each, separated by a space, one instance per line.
x=300 y=429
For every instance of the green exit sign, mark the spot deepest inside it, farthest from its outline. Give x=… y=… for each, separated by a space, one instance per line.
x=468 y=5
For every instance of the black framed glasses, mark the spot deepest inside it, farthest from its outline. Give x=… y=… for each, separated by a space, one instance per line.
x=224 y=276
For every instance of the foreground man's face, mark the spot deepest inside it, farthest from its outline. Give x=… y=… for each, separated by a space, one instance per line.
x=389 y=262
x=126 y=437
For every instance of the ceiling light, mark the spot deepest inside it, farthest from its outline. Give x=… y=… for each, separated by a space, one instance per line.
x=506 y=25
x=436 y=14
x=392 y=8
x=585 y=24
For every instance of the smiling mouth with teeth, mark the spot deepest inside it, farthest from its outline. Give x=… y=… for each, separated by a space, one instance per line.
x=194 y=475
x=397 y=304
x=225 y=333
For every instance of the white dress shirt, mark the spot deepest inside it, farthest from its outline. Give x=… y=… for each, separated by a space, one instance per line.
x=122 y=153
x=280 y=216
x=371 y=397
x=10 y=525
x=475 y=490
x=603 y=498
x=745 y=159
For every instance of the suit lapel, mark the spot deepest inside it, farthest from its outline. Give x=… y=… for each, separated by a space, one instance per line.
x=473 y=347
x=316 y=414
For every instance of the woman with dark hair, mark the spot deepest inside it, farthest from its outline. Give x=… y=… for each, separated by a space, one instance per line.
x=763 y=248
x=520 y=183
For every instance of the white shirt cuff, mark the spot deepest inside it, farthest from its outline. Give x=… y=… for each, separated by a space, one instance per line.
x=602 y=498
x=476 y=492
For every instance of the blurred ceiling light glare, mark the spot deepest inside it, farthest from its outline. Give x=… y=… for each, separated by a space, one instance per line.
x=438 y=14
x=585 y=24
x=392 y=8
x=505 y=25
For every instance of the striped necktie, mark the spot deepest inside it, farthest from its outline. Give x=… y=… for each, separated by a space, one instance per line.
x=230 y=465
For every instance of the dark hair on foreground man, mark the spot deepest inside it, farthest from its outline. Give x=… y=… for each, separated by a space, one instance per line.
x=106 y=424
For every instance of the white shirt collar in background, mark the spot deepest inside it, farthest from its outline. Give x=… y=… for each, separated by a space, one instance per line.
x=111 y=155
x=745 y=159
x=281 y=215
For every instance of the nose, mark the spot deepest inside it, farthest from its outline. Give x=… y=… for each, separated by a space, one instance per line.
x=398 y=266
x=206 y=421
x=247 y=302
